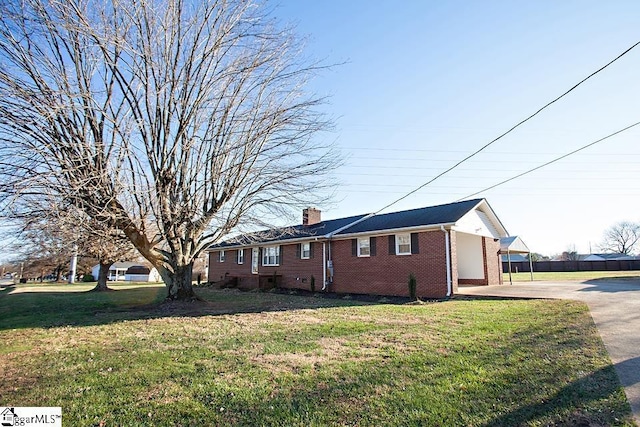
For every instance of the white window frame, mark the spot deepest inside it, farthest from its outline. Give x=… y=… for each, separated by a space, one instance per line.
x=305 y=247
x=240 y=258
x=364 y=243
x=271 y=256
x=221 y=256
x=406 y=236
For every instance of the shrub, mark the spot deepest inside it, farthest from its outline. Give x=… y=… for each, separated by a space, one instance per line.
x=88 y=278
x=412 y=286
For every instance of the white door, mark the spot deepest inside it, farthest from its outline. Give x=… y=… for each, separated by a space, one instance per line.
x=255 y=259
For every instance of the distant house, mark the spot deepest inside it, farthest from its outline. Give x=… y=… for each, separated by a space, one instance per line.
x=140 y=273
x=605 y=257
x=442 y=246
x=129 y=271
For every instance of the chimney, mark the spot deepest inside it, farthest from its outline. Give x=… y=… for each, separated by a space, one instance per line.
x=311 y=216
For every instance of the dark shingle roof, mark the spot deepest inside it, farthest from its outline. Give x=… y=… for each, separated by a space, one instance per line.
x=433 y=215
x=138 y=269
x=288 y=233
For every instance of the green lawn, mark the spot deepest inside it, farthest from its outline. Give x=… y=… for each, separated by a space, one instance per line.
x=246 y=358
x=573 y=276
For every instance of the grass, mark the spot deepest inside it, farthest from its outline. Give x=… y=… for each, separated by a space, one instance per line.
x=572 y=276
x=245 y=358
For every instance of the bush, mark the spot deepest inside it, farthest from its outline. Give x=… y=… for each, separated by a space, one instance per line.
x=88 y=278
x=412 y=286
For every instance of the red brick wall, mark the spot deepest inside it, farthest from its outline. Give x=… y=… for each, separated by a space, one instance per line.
x=493 y=263
x=230 y=268
x=385 y=274
x=295 y=272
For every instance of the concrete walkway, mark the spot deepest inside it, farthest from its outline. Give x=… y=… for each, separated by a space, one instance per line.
x=615 y=308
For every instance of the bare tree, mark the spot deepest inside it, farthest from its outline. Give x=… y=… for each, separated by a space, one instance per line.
x=570 y=254
x=43 y=254
x=175 y=122
x=50 y=232
x=621 y=238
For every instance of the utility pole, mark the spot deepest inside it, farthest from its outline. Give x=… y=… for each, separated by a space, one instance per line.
x=74 y=264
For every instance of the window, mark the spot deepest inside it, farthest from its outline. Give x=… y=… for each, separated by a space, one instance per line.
x=221 y=256
x=403 y=244
x=364 y=248
x=271 y=255
x=305 y=251
x=240 y=256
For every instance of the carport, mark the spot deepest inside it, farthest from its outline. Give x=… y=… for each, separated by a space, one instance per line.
x=514 y=245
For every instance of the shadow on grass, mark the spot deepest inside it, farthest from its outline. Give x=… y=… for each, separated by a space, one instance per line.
x=44 y=309
x=574 y=400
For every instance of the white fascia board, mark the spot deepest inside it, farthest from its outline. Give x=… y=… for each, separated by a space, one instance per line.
x=417 y=228
x=270 y=243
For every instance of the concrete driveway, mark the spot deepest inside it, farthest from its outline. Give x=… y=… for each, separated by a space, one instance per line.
x=615 y=308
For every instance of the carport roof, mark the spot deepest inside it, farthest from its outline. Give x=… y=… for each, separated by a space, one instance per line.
x=514 y=245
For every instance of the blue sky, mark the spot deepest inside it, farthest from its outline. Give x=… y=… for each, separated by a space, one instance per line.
x=425 y=83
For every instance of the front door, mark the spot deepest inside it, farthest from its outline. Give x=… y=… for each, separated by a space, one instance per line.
x=255 y=259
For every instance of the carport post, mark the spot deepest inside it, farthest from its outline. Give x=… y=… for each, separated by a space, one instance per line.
x=509 y=262
x=531 y=266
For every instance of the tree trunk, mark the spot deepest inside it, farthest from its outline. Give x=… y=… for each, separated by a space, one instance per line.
x=179 y=282
x=102 y=276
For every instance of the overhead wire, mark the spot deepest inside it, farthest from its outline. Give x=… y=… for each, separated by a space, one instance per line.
x=557 y=159
x=508 y=131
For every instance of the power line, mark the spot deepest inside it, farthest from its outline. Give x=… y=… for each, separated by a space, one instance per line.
x=577 y=171
x=484 y=162
x=625 y=156
x=508 y=131
x=551 y=161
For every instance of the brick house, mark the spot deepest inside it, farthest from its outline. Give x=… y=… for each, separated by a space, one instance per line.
x=443 y=246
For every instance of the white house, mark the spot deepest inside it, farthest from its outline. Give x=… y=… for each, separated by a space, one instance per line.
x=129 y=271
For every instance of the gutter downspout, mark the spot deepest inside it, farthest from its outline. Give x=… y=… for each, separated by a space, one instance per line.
x=324 y=266
x=329 y=266
x=448 y=257
x=509 y=263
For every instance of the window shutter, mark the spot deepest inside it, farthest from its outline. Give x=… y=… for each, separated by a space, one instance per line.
x=372 y=246
x=415 y=249
x=279 y=254
x=354 y=247
x=311 y=250
x=299 y=251
x=392 y=244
